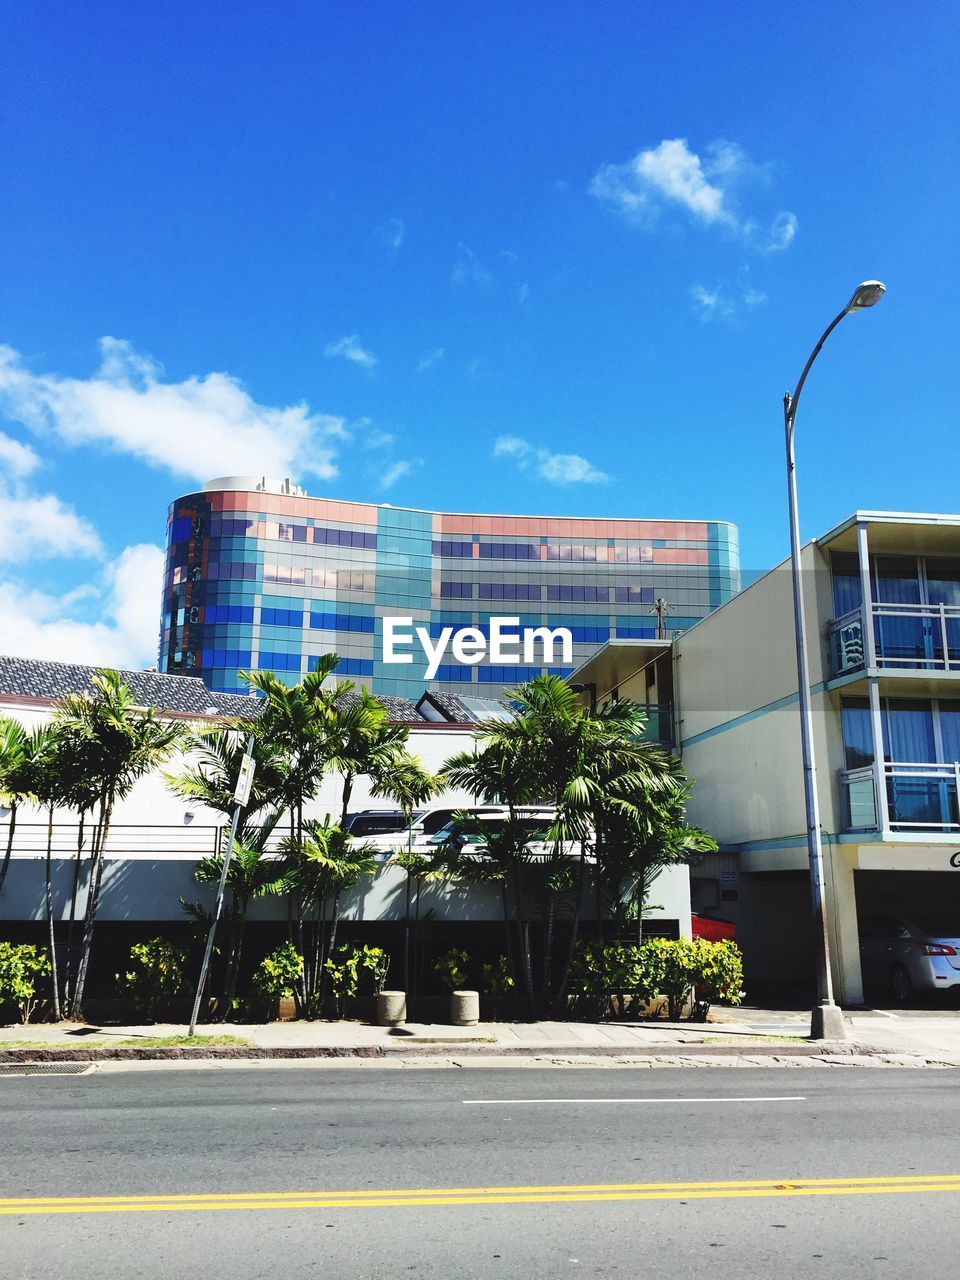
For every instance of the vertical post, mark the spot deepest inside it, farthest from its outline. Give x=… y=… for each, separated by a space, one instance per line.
x=826 y=1019
x=873 y=683
x=221 y=889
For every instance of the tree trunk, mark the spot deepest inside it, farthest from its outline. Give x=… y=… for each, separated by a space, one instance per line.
x=230 y=986
x=48 y=897
x=74 y=894
x=9 y=849
x=93 y=902
x=406 y=936
x=345 y=804
x=574 y=931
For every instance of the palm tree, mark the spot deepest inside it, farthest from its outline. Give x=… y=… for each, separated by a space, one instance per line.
x=43 y=774
x=320 y=865
x=590 y=768
x=13 y=739
x=124 y=742
x=409 y=784
x=210 y=776
x=295 y=721
x=251 y=874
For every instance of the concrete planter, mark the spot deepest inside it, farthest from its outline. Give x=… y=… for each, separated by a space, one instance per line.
x=465 y=1008
x=391 y=1008
x=285 y=1009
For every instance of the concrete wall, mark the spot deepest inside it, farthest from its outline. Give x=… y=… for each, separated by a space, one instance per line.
x=736 y=694
x=153 y=847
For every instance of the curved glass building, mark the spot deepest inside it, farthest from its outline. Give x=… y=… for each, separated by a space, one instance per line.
x=259 y=575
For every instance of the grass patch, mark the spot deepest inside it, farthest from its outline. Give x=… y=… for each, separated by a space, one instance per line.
x=136 y=1042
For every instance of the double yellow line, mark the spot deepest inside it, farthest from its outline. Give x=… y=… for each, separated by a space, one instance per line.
x=205 y=1202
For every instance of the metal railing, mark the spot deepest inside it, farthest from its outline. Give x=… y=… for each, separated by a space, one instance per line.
x=920 y=797
x=180 y=840
x=906 y=637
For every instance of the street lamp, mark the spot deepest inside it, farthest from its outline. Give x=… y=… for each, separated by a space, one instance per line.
x=826 y=1021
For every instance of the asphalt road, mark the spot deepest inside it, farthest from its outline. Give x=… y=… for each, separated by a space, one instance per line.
x=348 y=1173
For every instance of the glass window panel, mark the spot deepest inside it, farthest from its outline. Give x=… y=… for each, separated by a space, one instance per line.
x=857 y=734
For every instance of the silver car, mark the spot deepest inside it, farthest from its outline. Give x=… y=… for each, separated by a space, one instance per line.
x=908 y=954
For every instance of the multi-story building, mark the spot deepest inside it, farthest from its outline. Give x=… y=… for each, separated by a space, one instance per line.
x=882 y=599
x=259 y=575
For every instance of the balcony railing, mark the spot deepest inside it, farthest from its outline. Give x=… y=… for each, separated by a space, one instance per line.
x=906 y=637
x=920 y=797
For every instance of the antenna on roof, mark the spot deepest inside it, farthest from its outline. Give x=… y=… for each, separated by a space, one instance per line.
x=661 y=609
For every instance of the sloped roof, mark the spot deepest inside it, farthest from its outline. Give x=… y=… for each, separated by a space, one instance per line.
x=185 y=695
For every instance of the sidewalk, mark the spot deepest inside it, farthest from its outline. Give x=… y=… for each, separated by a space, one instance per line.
x=761 y=1037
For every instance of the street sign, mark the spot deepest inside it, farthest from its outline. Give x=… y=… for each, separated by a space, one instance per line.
x=245 y=780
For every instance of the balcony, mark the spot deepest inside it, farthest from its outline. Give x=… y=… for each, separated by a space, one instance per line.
x=907 y=637
x=921 y=798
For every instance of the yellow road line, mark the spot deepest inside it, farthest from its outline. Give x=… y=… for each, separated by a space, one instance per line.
x=426 y=1197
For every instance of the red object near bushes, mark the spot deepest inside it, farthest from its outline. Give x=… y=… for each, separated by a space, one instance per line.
x=714 y=930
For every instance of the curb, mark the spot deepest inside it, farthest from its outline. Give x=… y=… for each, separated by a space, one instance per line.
x=811 y=1049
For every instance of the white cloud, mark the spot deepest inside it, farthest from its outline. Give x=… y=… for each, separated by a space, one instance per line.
x=431 y=358
x=41 y=527
x=392 y=234
x=557 y=468
x=202 y=427
x=349 y=348
x=469 y=269
x=672 y=176
x=36 y=625
x=16 y=458
x=396 y=471
x=711 y=304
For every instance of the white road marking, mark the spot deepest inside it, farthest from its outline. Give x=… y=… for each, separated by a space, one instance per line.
x=534 y=1102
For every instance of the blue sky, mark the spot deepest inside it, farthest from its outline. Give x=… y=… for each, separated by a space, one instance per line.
x=363 y=244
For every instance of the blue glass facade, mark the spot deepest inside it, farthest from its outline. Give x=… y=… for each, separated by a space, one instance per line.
x=266 y=577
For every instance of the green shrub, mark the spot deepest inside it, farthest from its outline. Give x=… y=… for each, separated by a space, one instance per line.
x=719 y=975
x=350 y=967
x=697 y=970
x=613 y=978
x=277 y=973
x=20 y=965
x=451 y=968
x=156 y=974
x=375 y=964
x=497 y=981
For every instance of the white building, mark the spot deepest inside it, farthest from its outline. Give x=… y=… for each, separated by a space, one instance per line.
x=882 y=599
x=156 y=839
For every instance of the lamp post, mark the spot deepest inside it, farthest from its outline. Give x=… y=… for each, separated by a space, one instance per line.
x=826 y=1021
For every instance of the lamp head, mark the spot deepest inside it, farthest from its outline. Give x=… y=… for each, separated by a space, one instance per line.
x=866 y=295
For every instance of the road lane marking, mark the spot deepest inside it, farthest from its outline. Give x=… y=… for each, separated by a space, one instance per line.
x=539 y=1102
x=453 y=1196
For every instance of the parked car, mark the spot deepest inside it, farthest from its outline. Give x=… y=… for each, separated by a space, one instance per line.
x=535 y=822
x=908 y=954
x=425 y=824
x=376 y=822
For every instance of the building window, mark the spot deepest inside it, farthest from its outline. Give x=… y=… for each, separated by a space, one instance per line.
x=592 y=595
x=510 y=591
x=456 y=590
x=281 y=617
x=509 y=551
x=634 y=595
x=464 y=550
x=576 y=551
